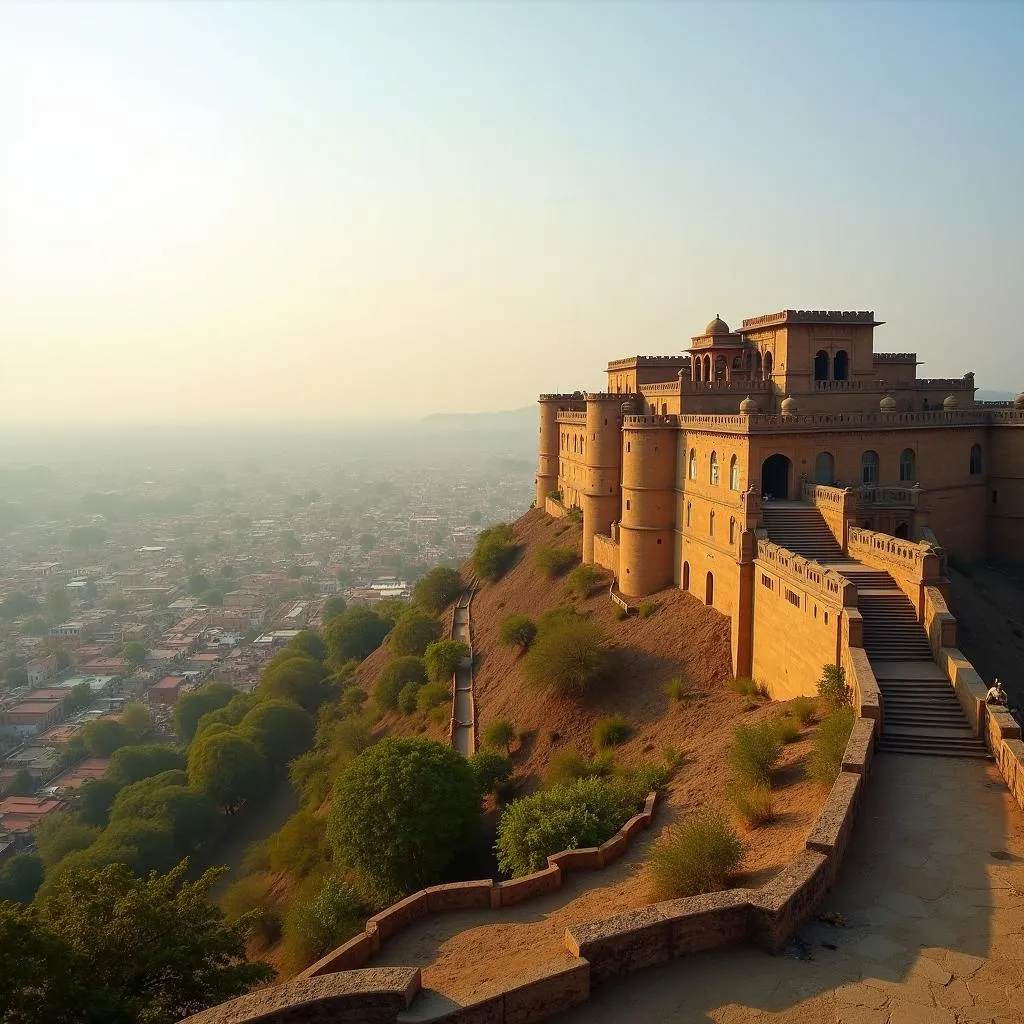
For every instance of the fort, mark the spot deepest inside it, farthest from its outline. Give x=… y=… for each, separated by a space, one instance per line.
x=756 y=470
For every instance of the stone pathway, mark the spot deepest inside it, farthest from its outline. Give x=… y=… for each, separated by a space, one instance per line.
x=931 y=925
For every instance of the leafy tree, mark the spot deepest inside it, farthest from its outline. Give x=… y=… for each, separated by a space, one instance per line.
x=443 y=657
x=231 y=714
x=294 y=572
x=295 y=677
x=86 y=536
x=190 y=707
x=500 y=733
x=401 y=810
x=167 y=800
x=290 y=543
x=323 y=913
x=438 y=589
x=413 y=632
x=23 y=783
x=132 y=764
x=105 y=735
x=34 y=626
x=137 y=720
x=490 y=769
x=833 y=688
x=58 y=606
x=16 y=676
x=299 y=847
x=406 y=702
x=20 y=878
x=228 y=767
x=15 y=605
x=134 y=653
x=79 y=696
x=59 y=833
x=280 y=728
x=310 y=775
x=354 y=635
x=334 y=606
x=432 y=695
x=495 y=552
x=568 y=656
x=212 y=598
x=130 y=951
x=367 y=542
x=308 y=643
x=94 y=802
x=518 y=631
x=197 y=583
x=394 y=677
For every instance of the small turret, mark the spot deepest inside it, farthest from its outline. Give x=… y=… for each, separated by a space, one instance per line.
x=748 y=406
x=887 y=404
x=951 y=403
x=1018 y=402
x=789 y=406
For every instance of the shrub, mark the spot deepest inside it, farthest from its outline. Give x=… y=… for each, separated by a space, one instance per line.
x=754 y=752
x=586 y=813
x=832 y=687
x=413 y=633
x=299 y=846
x=583 y=581
x=678 y=690
x=228 y=768
x=250 y=897
x=786 y=728
x=647 y=609
x=610 y=731
x=621 y=613
x=826 y=758
x=500 y=733
x=569 y=766
x=495 y=552
x=754 y=804
x=695 y=857
x=435 y=591
x=280 y=728
x=133 y=764
x=354 y=634
x=638 y=781
x=490 y=769
x=322 y=914
x=744 y=686
x=292 y=675
x=431 y=696
x=567 y=657
x=518 y=631
x=407 y=696
x=397 y=673
x=802 y=710
x=554 y=560
x=442 y=658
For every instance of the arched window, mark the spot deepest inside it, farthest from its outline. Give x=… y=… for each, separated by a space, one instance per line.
x=698 y=369
x=709 y=589
x=686 y=575
x=907 y=465
x=821 y=365
x=758 y=365
x=664 y=409
x=689 y=513
x=693 y=464
x=841 y=366
x=825 y=469
x=720 y=366
x=767 y=365
x=975 y=459
x=736 y=365
x=869 y=468
x=713 y=475
x=711 y=523
x=734 y=474
x=732 y=530
x=574 y=439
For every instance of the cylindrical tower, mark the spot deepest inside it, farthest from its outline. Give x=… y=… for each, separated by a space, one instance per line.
x=646 y=534
x=603 y=454
x=547 y=461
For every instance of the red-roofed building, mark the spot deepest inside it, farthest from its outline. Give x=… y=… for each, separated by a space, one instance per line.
x=106 y=666
x=58 y=735
x=19 y=813
x=167 y=690
x=31 y=717
x=75 y=778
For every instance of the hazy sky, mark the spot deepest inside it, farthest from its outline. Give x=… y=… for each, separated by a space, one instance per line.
x=263 y=211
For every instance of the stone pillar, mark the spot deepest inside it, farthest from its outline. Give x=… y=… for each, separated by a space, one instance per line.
x=547 y=461
x=601 y=494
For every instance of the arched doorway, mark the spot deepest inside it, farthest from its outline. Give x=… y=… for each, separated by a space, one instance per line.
x=821 y=365
x=686 y=576
x=775 y=473
x=825 y=469
x=709 y=589
x=841 y=366
x=902 y=531
x=767 y=365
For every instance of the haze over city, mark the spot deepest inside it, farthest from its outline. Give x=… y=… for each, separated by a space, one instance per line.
x=341 y=212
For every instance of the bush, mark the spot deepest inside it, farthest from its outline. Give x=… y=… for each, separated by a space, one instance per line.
x=754 y=804
x=826 y=758
x=133 y=764
x=280 y=728
x=299 y=846
x=250 y=898
x=802 y=710
x=647 y=609
x=554 y=560
x=518 y=631
x=228 y=767
x=637 y=782
x=432 y=695
x=490 y=769
x=397 y=673
x=786 y=728
x=583 y=581
x=292 y=675
x=832 y=687
x=413 y=633
x=744 y=686
x=677 y=690
x=695 y=857
x=438 y=589
x=568 y=657
x=322 y=914
x=20 y=878
x=500 y=733
x=754 y=752
x=407 y=697
x=586 y=813
x=495 y=552
x=104 y=736
x=354 y=635
x=620 y=613
x=568 y=766
x=610 y=731
x=442 y=658
x=401 y=811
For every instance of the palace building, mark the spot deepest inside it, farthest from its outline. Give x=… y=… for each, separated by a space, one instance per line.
x=789 y=434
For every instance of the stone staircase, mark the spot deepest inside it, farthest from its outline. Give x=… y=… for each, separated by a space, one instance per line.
x=921 y=713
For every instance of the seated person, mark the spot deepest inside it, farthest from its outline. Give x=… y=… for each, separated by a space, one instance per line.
x=996 y=694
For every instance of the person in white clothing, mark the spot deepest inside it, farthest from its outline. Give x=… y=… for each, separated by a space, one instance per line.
x=996 y=694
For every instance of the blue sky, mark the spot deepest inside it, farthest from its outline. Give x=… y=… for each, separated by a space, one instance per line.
x=331 y=210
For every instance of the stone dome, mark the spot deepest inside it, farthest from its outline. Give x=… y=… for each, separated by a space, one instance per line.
x=789 y=406
x=717 y=326
x=748 y=406
x=950 y=402
x=887 y=404
x=628 y=408
x=1018 y=402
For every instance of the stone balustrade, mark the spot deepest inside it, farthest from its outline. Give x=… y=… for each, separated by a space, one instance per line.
x=913 y=561
x=849 y=385
x=725 y=387
x=668 y=388
x=894 y=357
x=940 y=383
x=571 y=416
x=811 y=575
x=650 y=421
x=839 y=498
x=903 y=497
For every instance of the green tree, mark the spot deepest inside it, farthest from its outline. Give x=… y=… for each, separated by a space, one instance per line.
x=280 y=728
x=495 y=552
x=79 y=696
x=20 y=878
x=401 y=810
x=518 y=631
x=212 y=598
x=190 y=707
x=354 y=635
x=334 y=606
x=833 y=688
x=167 y=800
x=134 y=763
x=397 y=674
x=308 y=643
x=58 y=606
x=94 y=802
x=197 y=583
x=442 y=658
x=103 y=736
x=23 y=783
x=16 y=676
x=500 y=733
x=134 y=653
x=15 y=605
x=490 y=769
x=367 y=542
x=34 y=626
x=568 y=656
x=299 y=847
x=290 y=543
x=295 y=677
x=137 y=720
x=413 y=632
x=228 y=767
x=231 y=714
x=438 y=589
x=59 y=833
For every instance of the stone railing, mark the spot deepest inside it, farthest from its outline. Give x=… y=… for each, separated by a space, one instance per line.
x=903 y=497
x=571 y=416
x=650 y=421
x=576 y=396
x=894 y=357
x=914 y=561
x=725 y=387
x=841 y=499
x=714 y=421
x=811 y=575
x=849 y=385
x=668 y=388
x=636 y=360
x=941 y=383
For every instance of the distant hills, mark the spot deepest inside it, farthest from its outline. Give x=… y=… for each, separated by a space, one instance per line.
x=994 y=396
x=509 y=419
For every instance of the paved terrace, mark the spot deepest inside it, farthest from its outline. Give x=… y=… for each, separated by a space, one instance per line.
x=931 y=899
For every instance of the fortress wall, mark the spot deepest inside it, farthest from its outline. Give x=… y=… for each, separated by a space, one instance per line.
x=1004 y=525
x=547 y=449
x=606 y=554
x=603 y=448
